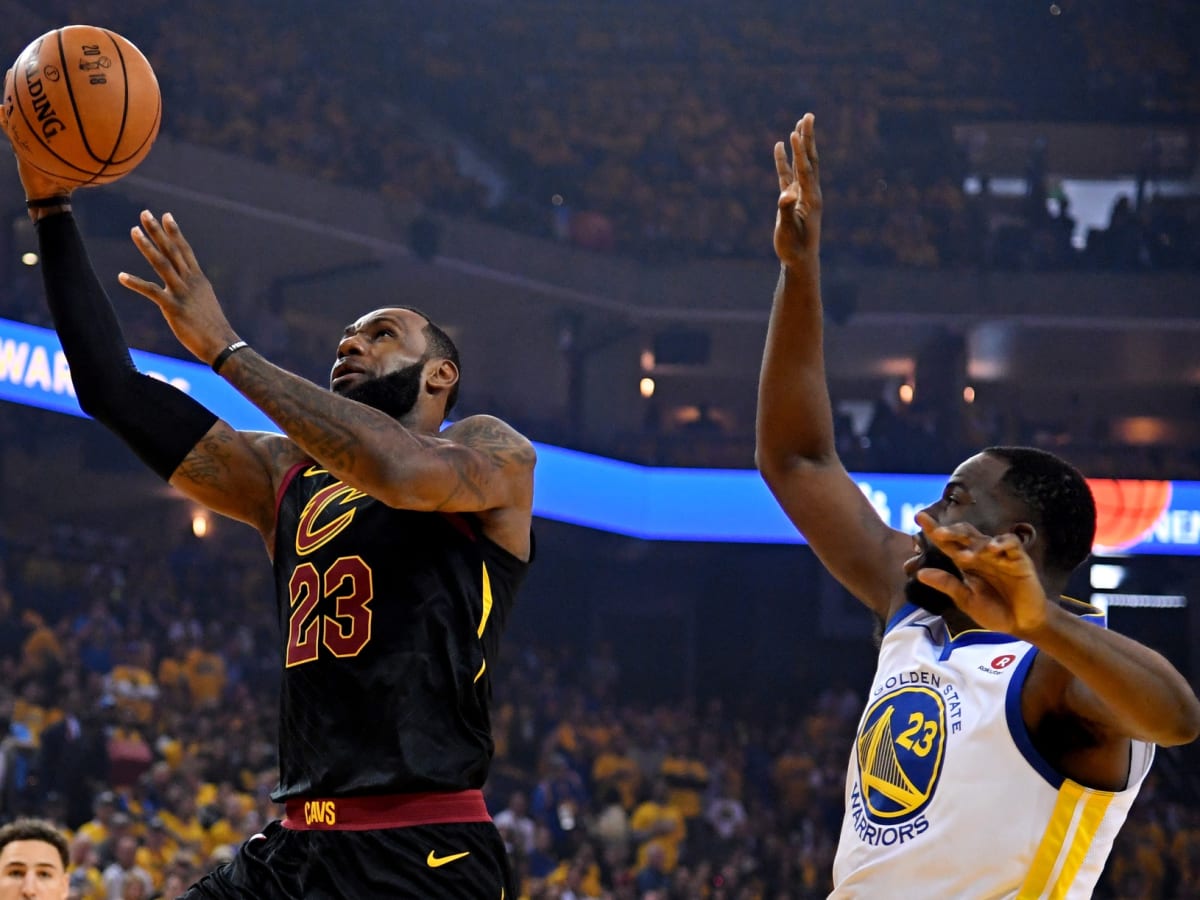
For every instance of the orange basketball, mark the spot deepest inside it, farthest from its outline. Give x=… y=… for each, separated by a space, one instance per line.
x=82 y=105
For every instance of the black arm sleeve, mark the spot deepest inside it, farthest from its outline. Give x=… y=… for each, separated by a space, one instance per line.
x=160 y=423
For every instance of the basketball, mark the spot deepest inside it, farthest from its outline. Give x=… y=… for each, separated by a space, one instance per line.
x=82 y=105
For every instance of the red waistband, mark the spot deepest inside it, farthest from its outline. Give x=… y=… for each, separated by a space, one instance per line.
x=386 y=811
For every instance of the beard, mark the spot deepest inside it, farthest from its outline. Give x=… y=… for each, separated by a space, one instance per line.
x=394 y=394
x=928 y=598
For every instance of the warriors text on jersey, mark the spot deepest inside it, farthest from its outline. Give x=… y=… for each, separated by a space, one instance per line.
x=389 y=619
x=946 y=793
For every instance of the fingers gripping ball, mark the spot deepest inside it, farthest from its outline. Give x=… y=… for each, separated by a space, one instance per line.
x=82 y=105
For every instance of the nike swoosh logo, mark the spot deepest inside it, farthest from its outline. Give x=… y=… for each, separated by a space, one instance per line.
x=434 y=861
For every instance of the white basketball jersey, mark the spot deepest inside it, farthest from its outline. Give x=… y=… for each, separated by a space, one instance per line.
x=946 y=796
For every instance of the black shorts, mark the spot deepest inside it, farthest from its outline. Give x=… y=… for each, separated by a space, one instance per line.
x=458 y=861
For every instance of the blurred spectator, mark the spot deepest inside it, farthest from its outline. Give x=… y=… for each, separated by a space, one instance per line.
x=543 y=859
x=657 y=823
x=16 y=751
x=156 y=851
x=611 y=829
x=129 y=753
x=73 y=763
x=86 y=881
x=686 y=777
x=614 y=769
x=42 y=652
x=124 y=868
x=515 y=825
x=652 y=876
x=204 y=669
x=558 y=800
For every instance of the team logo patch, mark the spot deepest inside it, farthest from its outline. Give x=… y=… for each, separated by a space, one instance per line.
x=900 y=747
x=316 y=529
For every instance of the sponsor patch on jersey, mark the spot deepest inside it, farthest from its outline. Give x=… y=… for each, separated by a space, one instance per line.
x=900 y=747
x=999 y=664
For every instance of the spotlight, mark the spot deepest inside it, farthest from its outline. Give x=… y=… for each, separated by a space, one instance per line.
x=200 y=524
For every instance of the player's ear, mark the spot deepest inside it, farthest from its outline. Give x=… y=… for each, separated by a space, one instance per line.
x=1026 y=533
x=442 y=374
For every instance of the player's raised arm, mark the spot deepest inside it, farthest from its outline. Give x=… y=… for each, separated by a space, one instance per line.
x=232 y=473
x=386 y=448
x=795 y=452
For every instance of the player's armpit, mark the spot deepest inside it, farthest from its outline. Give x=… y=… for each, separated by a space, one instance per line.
x=237 y=473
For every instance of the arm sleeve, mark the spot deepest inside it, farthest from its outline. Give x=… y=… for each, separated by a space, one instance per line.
x=160 y=423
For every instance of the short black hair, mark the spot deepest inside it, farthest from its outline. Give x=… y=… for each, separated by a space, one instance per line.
x=439 y=345
x=1059 y=501
x=36 y=830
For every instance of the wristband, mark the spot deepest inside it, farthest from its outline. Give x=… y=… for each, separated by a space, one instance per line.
x=49 y=202
x=226 y=353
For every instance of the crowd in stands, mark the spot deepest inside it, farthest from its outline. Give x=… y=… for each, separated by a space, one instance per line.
x=137 y=715
x=646 y=128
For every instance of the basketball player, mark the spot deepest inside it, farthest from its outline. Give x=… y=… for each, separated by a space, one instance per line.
x=397 y=550
x=33 y=861
x=1006 y=732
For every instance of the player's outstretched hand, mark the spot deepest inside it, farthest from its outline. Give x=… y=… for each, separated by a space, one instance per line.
x=37 y=186
x=999 y=590
x=185 y=297
x=798 y=220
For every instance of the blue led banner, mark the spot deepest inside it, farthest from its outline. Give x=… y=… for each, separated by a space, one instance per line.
x=34 y=371
x=722 y=505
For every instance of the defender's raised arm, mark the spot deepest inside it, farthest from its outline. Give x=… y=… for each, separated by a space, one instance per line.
x=795 y=439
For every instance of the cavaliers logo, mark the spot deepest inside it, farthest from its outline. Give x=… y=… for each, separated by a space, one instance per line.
x=317 y=529
x=900 y=747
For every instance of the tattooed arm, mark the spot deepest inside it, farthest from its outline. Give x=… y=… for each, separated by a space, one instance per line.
x=237 y=473
x=476 y=465
x=479 y=465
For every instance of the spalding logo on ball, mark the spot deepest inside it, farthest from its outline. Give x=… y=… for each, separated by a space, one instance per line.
x=82 y=105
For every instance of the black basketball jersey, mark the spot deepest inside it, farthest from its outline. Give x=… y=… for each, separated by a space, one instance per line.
x=390 y=619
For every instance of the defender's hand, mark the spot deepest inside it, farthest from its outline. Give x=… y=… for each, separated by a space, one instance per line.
x=999 y=590
x=798 y=220
x=186 y=298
